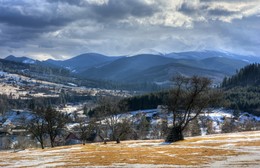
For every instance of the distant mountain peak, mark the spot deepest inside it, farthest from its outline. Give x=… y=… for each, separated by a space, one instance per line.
x=29 y=61
x=146 y=51
x=10 y=57
x=83 y=61
x=23 y=59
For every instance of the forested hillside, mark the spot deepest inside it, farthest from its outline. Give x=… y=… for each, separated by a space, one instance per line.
x=33 y=70
x=247 y=76
x=242 y=90
x=241 y=93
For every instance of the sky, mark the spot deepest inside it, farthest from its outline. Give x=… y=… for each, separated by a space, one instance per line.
x=61 y=29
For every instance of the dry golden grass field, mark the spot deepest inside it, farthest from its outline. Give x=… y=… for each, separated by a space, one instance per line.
x=221 y=150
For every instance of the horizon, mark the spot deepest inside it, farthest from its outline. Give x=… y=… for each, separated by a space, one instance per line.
x=46 y=29
x=129 y=55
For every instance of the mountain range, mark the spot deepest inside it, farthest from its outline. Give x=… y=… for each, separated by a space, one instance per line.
x=152 y=68
x=25 y=60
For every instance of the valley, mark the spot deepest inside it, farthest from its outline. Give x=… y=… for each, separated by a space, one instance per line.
x=106 y=100
x=23 y=87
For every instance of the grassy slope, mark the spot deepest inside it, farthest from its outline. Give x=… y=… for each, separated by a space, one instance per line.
x=222 y=150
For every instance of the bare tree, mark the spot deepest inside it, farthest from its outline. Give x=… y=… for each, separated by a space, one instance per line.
x=209 y=126
x=229 y=125
x=143 y=127
x=186 y=101
x=86 y=130
x=123 y=130
x=192 y=129
x=37 y=128
x=109 y=112
x=54 y=121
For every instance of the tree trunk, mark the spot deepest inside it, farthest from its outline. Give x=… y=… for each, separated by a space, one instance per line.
x=118 y=140
x=42 y=146
x=41 y=142
x=175 y=134
x=52 y=143
x=40 y=139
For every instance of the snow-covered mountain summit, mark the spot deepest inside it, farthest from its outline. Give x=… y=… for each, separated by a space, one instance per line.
x=146 y=51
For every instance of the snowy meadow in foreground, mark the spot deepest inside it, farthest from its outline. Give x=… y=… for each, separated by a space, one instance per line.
x=221 y=150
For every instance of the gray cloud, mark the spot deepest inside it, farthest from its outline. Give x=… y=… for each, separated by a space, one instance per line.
x=64 y=28
x=112 y=10
x=190 y=9
x=220 y=12
x=121 y=9
x=204 y=9
x=17 y=18
x=32 y=15
x=71 y=2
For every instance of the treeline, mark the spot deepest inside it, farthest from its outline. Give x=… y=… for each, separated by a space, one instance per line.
x=143 y=87
x=245 y=99
x=147 y=101
x=141 y=102
x=242 y=91
x=116 y=85
x=247 y=76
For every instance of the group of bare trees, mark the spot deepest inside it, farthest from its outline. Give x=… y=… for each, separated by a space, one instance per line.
x=47 y=122
x=110 y=123
x=188 y=99
x=86 y=130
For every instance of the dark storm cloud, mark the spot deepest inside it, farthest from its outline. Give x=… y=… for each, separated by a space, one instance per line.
x=14 y=37
x=21 y=21
x=60 y=13
x=18 y=17
x=113 y=9
x=119 y=9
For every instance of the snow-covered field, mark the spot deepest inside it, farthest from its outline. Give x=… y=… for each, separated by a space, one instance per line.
x=221 y=150
x=19 y=86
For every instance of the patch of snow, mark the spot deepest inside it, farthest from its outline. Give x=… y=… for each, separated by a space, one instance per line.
x=165 y=143
x=3 y=73
x=146 y=51
x=146 y=165
x=72 y=84
x=163 y=82
x=246 y=60
x=29 y=61
x=70 y=126
x=246 y=117
x=16 y=117
x=62 y=150
x=71 y=69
